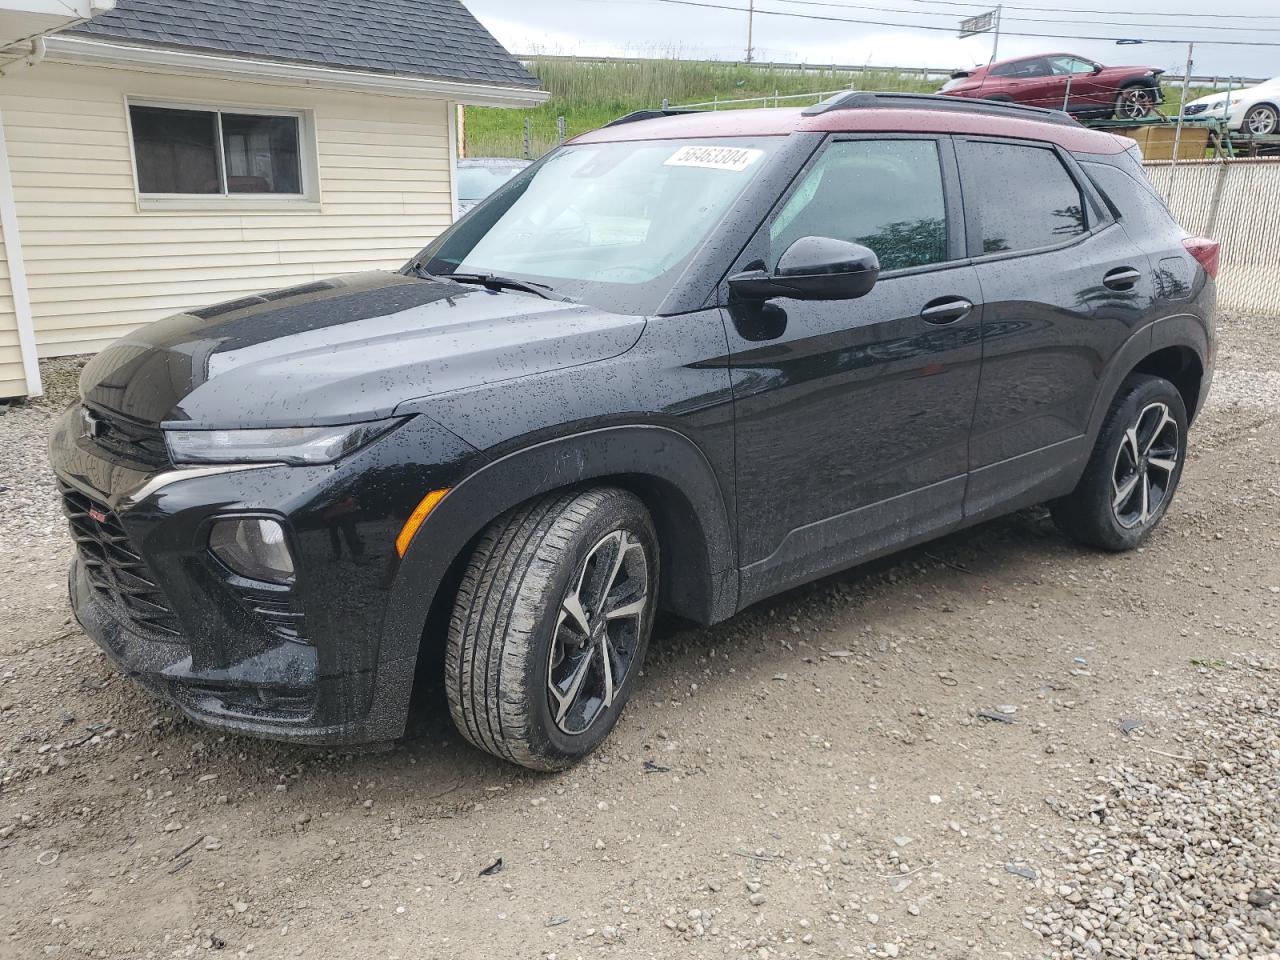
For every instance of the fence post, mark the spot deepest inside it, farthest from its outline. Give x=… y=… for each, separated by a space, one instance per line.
x=528 y=138
x=1212 y=224
x=560 y=128
x=1182 y=112
x=666 y=104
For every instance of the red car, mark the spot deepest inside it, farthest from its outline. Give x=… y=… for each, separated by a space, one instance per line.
x=1063 y=81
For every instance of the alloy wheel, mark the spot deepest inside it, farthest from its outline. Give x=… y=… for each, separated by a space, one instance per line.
x=597 y=632
x=1134 y=104
x=1143 y=475
x=1261 y=121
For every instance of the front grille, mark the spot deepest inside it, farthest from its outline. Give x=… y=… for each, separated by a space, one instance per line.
x=143 y=442
x=117 y=574
x=1195 y=108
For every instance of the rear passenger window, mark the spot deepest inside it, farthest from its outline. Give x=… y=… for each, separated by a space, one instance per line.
x=883 y=194
x=1024 y=197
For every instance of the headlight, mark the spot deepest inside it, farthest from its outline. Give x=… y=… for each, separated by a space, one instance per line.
x=254 y=548
x=297 y=445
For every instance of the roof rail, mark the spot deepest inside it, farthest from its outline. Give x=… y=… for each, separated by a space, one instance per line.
x=861 y=99
x=636 y=115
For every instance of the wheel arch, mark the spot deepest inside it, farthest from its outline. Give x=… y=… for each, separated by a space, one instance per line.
x=1176 y=348
x=1182 y=367
x=664 y=468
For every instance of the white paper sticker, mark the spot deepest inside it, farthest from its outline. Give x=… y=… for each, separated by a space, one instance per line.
x=736 y=159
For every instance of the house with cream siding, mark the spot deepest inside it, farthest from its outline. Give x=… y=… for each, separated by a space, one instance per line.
x=158 y=155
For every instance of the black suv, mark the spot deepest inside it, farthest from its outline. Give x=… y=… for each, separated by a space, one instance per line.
x=683 y=362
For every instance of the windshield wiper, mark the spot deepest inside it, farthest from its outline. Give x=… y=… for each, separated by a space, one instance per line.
x=492 y=281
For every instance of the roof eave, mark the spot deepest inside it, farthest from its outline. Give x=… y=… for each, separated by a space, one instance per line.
x=177 y=61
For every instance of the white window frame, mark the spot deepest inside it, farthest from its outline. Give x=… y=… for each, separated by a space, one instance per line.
x=308 y=161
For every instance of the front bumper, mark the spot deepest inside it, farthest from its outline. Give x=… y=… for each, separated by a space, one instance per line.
x=315 y=663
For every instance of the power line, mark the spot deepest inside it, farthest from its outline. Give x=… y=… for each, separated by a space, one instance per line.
x=979 y=6
x=1007 y=18
x=1009 y=33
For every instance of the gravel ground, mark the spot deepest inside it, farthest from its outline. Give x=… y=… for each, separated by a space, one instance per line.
x=995 y=746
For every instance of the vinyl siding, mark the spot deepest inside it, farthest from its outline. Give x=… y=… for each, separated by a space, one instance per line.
x=98 y=265
x=13 y=382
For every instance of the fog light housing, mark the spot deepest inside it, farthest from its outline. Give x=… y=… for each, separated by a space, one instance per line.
x=253 y=547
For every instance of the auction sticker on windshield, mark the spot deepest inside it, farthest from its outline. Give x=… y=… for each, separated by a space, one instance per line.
x=736 y=159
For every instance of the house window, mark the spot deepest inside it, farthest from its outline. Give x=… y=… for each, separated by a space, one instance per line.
x=194 y=152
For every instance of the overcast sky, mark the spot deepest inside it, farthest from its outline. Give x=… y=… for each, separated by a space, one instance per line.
x=654 y=28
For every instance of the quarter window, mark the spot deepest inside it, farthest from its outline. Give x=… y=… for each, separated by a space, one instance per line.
x=215 y=152
x=1024 y=197
x=883 y=194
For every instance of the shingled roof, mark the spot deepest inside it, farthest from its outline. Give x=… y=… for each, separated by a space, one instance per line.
x=417 y=38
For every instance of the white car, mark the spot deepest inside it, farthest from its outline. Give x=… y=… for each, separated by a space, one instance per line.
x=1251 y=110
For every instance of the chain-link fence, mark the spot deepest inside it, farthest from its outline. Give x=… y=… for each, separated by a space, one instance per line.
x=1237 y=203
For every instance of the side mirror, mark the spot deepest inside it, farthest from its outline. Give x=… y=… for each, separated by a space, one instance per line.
x=1097 y=68
x=813 y=268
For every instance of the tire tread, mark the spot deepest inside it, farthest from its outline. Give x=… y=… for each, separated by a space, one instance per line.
x=494 y=620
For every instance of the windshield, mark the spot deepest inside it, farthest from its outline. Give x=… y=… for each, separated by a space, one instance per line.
x=610 y=224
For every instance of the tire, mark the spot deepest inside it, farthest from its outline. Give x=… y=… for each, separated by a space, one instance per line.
x=1147 y=414
x=1263 y=120
x=1134 y=102
x=514 y=630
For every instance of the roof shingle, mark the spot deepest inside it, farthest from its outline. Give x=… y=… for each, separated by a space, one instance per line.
x=423 y=38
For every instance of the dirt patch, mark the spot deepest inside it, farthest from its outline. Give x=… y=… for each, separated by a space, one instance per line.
x=817 y=777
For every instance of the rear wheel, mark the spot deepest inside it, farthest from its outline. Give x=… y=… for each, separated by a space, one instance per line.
x=1134 y=102
x=1262 y=121
x=550 y=626
x=1133 y=471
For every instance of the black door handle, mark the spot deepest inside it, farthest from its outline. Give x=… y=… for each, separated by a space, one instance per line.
x=946 y=310
x=1121 y=278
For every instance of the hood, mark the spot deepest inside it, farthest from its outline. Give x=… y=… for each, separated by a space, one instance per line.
x=342 y=350
x=1212 y=100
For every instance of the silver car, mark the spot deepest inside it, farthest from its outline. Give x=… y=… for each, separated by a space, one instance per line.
x=479 y=177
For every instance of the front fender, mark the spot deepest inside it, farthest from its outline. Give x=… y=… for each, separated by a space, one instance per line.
x=667 y=469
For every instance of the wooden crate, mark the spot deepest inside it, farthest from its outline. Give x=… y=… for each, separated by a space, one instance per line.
x=1156 y=140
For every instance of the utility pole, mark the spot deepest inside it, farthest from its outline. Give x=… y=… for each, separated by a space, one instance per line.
x=995 y=44
x=751 y=24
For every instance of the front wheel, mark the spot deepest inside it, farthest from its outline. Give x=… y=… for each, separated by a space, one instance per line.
x=1133 y=471
x=1261 y=121
x=550 y=626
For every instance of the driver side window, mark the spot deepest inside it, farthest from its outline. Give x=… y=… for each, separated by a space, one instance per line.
x=884 y=194
x=1062 y=66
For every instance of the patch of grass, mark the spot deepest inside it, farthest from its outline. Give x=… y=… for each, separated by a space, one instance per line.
x=590 y=94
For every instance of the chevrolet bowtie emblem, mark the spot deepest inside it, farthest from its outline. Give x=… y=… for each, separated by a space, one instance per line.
x=90 y=426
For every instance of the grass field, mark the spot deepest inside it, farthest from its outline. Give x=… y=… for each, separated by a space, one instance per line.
x=590 y=94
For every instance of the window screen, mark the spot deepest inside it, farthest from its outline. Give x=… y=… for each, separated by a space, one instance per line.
x=176 y=150
x=883 y=194
x=1023 y=195
x=205 y=152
